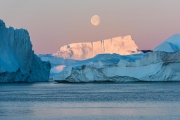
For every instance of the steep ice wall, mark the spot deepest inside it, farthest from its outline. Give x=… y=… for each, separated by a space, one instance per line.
x=81 y=51
x=18 y=63
x=170 y=45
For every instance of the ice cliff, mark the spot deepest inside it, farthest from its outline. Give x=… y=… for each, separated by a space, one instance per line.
x=18 y=63
x=160 y=65
x=85 y=50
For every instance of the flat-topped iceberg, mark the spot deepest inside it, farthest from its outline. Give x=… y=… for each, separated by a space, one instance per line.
x=18 y=63
x=85 y=50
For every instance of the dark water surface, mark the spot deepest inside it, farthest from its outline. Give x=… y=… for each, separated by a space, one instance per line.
x=53 y=101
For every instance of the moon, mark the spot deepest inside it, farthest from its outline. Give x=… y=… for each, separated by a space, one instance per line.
x=95 y=20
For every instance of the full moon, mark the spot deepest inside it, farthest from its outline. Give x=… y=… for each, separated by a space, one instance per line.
x=95 y=20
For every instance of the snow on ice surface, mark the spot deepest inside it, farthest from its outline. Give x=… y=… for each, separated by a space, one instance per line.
x=101 y=61
x=170 y=45
x=162 y=67
x=17 y=60
x=85 y=50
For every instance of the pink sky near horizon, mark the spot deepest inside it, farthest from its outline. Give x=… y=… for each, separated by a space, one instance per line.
x=54 y=23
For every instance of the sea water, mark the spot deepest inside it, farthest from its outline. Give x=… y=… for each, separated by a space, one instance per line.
x=52 y=101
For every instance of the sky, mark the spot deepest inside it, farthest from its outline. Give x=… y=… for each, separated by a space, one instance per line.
x=54 y=23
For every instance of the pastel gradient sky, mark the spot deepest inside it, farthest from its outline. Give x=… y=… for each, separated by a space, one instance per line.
x=54 y=23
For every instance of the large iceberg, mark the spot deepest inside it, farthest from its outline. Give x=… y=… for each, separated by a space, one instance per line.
x=85 y=50
x=18 y=63
x=155 y=66
x=160 y=65
x=92 y=67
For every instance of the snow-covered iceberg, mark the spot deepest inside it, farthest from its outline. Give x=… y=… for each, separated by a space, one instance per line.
x=18 y=63
x=170 y=45
x=59 y=64
x=160 y=65
x=155 y=66
x=93 y=68
x=85 y=50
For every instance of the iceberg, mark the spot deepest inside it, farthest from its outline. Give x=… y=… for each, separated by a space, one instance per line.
x=90 y=70
x=170 y=45
x=160 y=65
x=155 y=66
x=85 y=50
x=18 y=63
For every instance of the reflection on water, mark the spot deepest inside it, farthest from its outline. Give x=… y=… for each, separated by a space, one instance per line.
x=90 y=101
